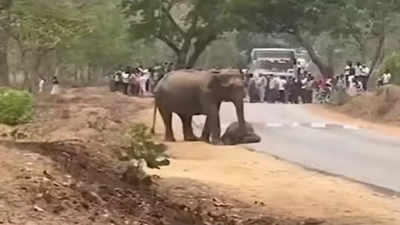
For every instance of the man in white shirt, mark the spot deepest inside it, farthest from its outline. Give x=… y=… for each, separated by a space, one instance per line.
x=282 y=89
x=41 y=85
x=364 y=76
x=386 y=77
x=261 y=84
x=142 y=82
x=274 y=88
x=125 y=80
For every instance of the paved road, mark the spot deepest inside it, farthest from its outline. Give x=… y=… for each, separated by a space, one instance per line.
x=292 y=133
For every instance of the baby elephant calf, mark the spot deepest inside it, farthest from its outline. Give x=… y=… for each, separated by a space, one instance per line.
x=233 y=135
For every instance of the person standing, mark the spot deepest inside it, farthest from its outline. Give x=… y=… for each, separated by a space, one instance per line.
x=358 y=71
x=274 y=88
x=261 y=83
x=55 y=88
x=310 y=83
x=41 y=84
x=143 y=77
x=282 y=89
x=252 y=88
x=365 y=76
x=125 y=80
x=386 y=77
x=349 y=73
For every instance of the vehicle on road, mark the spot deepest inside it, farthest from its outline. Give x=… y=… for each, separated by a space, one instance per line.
x=273 y=61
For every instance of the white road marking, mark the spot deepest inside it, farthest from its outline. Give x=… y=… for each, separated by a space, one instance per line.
x=349 y=127
x=274 y=124
x=295 y=124
x=318 y=125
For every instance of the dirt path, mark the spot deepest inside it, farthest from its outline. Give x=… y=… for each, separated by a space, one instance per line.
x=282 y=188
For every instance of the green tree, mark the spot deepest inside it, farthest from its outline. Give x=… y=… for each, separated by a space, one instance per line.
x=366 y=21
x=186 y=27
x=106 y=45
x=306 y=20
x=39 y=27
x=335 y=20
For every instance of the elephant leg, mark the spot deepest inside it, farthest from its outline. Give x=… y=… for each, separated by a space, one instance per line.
x=215 y=126
x=205 y=135
x=167 y=118
x=187 y=128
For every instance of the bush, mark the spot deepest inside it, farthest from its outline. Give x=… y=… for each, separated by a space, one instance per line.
x=140 y=146
x=339 y=97
x=16 y=107
x=392 y=63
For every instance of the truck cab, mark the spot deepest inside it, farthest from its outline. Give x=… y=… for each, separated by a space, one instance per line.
x=273 y=61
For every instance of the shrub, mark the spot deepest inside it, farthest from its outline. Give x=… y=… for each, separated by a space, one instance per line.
x=339 y=97
x=16 y=107
x=392 y=63
x=140 y=146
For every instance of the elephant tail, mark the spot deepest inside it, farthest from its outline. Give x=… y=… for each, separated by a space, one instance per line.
x=153 y=128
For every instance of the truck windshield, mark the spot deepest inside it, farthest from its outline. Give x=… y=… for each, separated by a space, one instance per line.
x=276 y=65
x=273 y=54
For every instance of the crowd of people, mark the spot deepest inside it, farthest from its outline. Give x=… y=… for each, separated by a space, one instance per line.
x=138 y=81
x=305 y=88
x=280 y=89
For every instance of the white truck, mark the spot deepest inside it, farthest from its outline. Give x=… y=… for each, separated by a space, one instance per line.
x=273 y=61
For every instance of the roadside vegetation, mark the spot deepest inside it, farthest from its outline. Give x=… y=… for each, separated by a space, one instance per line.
x=16 y=107
x=382 y=105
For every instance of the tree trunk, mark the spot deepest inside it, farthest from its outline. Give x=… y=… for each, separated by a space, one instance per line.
x=363 y=52
x=331 y=56
x=4 y=78
x=378 y=52
x=57 y=71
x=199 y=48
x=325 y=69
x=78 y=75
x=34 y=81
x=181 y=60
x=4 y=36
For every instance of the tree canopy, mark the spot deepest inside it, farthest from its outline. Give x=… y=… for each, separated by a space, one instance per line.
x=186 y=27
x=308 y=20
x=86 y=39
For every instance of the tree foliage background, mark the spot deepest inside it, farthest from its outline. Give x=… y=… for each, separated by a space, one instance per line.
x=81 y=41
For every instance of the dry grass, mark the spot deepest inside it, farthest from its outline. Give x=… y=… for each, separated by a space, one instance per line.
x=382 y=105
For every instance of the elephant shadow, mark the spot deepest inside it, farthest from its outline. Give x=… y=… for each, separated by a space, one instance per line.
x=234 y=136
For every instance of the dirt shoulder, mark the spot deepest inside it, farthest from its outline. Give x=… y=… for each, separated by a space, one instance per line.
x=338 y=115
x=271 y=185
x=378 y=110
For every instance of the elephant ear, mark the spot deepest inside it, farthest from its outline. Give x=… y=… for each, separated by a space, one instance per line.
x=220 y=81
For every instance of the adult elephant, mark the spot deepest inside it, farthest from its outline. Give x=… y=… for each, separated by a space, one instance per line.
x=190 y=92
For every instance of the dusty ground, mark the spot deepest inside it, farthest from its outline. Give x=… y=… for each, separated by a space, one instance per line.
x=63 y=169
x=273 y=185
x=379 y=107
